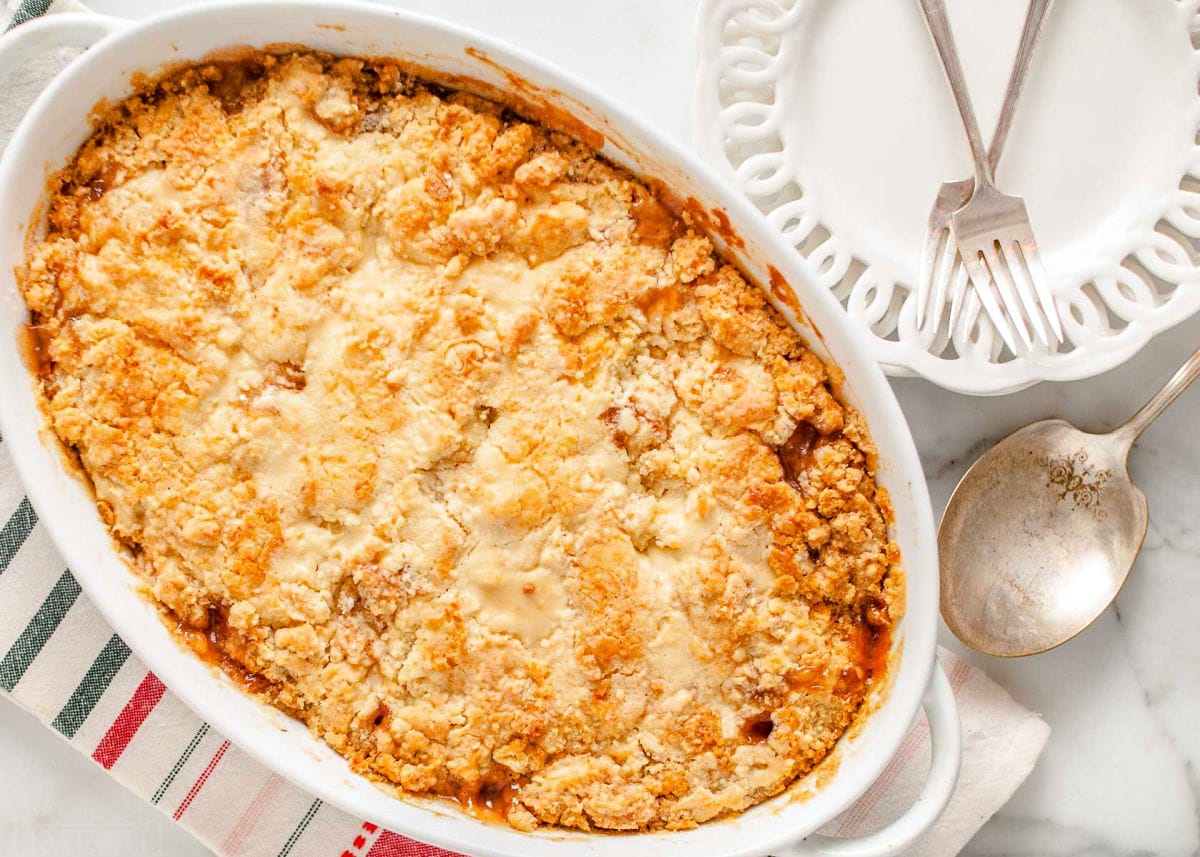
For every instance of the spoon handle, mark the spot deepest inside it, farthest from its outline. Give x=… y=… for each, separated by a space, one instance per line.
x=1128 y=433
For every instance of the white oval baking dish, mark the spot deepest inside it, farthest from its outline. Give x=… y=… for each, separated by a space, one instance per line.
x=57 y=124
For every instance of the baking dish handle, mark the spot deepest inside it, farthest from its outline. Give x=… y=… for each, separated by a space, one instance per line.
x=66 y=30
x=945 y=737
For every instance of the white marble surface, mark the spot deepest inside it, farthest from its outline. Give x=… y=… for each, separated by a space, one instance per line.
x=1120 y=773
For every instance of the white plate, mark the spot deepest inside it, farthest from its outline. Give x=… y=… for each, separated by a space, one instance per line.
x=835 y=118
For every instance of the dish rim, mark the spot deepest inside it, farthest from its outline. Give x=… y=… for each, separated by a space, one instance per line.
x=866 y=388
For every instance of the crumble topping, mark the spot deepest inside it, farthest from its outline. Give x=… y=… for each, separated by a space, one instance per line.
x=464 y=447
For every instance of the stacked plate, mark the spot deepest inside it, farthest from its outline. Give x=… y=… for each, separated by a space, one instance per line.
x=845 y=160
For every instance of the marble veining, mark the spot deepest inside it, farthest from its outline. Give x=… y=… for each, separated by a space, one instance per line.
x=1119 y=775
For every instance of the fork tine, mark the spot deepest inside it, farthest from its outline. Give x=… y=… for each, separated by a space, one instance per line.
x=958 y=292
x=1032 y=259
x=945 y=271
x=1018 y=274
x=925 y=275
x=971 y=315
x=971 y=308
x=985 y=289
x=1000 y=276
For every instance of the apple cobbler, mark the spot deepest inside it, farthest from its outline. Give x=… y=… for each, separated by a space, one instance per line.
x=454 y=441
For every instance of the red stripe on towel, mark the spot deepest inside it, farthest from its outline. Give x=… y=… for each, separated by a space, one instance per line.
x=394 y=845
x=201 y=780
x=131 y=718
x=252 y=814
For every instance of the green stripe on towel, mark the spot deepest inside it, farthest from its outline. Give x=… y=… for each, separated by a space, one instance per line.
x=300 y=828
x=28 y=10
x=15 y=531
x=40 y=628
x=99 y=676
x=179 y=763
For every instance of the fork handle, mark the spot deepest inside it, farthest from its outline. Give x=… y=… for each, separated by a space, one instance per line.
x=1035 y=17
x=943 y=40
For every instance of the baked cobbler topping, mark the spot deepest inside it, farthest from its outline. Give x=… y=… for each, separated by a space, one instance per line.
x=461 y=445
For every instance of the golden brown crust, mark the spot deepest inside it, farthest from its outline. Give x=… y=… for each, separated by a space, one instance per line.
x=450 y=432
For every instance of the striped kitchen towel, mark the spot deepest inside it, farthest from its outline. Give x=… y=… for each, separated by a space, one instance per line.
x=60 y=661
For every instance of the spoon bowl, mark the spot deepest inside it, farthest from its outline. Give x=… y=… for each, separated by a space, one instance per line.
x=1038 y=538
x=1042 y=531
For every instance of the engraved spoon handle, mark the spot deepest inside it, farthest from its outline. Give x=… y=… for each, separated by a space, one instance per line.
x=1128 y=433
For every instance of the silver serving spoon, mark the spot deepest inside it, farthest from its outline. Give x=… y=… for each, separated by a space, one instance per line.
x=1041 y=532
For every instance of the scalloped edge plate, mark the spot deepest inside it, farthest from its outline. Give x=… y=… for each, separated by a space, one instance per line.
x=835 y=120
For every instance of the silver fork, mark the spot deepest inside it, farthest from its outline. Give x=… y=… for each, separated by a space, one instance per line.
x=992 y=231
x=941 y=270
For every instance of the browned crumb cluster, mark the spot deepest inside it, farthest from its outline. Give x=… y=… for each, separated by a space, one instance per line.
x=459 y=444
